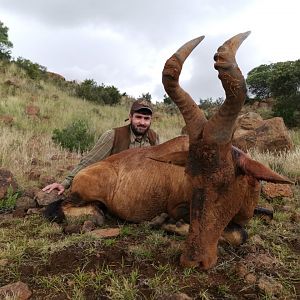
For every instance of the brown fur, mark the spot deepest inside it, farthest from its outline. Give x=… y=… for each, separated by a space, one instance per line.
x=218 y=185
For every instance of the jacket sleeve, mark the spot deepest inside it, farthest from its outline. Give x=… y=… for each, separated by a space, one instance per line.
x=101 y=150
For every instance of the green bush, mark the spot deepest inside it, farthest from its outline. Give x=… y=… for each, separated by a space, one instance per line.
x=8 y=203
x=101 y=94
x=34 y=70
x=75 y=137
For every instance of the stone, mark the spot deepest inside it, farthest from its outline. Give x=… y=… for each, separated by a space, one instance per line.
x=30 y=192
x=4 y=262
x=264 y=135
x=72 y=228
x=295 y=217
x=179 y=296
x=33 y=211
x=33 y=174
x=18 y=290
x=241 y=270
x=7 y=180
x=25 y=203
x=32 y=110
x=46 y=179
x=250 y=278
x=43 y=198
x=105 y=232
x=8 y=120
x=88 y=226
x=269 y=285
x=273 y=190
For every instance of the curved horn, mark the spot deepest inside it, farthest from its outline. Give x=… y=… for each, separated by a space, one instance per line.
x=192 y=114
x=184 y=51
x=220 y=127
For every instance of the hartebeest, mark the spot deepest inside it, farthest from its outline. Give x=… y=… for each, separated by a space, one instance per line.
x=202 y=179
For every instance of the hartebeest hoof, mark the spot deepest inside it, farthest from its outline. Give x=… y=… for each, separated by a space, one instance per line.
x=206 y=262
x=234 y=234
x=264 y=213
x=158 y=221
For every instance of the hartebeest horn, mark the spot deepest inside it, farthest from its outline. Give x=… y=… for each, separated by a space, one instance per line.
x=192 y=114
x=220 y=127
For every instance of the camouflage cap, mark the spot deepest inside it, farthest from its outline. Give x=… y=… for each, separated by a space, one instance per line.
x=141 y=104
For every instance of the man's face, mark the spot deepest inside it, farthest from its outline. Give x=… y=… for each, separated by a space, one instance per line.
x=140 y=123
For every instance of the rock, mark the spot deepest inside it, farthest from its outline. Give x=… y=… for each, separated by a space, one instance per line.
x=33 y=211
x=105 y=232
x=179 y=296
x=25 y=203
x=31 y=192
x=18 y=290
x=72 y=228
x=295 y=217
x=19 y=213
x=272 y=190
x=3 y=262
x=265 y=135
x=32 y=110
x=12 y=82
x=262 y=260
x=256 y=239
x=43 y=199
x=8 y=120
x=250 y=278
x=241 y=270
x=269 y=285
x=33 y=174
x=46 y=179
x=7 y=180
x=88 y=226
x=89 y=212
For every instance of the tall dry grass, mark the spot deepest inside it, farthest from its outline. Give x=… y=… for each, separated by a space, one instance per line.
x=26 y=143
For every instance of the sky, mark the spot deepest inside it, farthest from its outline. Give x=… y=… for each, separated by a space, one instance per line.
x=125 y=43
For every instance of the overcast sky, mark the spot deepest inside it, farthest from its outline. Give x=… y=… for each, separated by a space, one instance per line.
x=125 y=43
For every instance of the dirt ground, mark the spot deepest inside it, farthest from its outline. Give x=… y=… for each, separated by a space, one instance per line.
x=142 y=263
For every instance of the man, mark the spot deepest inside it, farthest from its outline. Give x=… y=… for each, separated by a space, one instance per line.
x=136 y=134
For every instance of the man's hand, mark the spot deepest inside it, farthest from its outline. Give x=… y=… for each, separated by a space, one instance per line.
x=54 y=186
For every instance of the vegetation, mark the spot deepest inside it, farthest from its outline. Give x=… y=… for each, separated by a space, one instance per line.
x=100 y=94
x=282 y=82
x=5 y=43
x=33 y=70
x=74 y=137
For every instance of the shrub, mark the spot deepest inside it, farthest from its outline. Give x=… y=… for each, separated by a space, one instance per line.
x=74 y=137
x=8 y=203
x=34 y=70
x=102 y=94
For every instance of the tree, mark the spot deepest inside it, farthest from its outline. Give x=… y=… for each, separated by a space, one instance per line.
x=282 y=82
x=146 y=96
x=5 y=44
x=258 y=81
x=167 y=100
x=276 y=79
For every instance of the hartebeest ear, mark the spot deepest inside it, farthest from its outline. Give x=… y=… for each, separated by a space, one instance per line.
x=258 y=170
x=175 y=158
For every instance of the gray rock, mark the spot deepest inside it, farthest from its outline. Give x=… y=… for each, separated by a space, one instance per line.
x=19 y=290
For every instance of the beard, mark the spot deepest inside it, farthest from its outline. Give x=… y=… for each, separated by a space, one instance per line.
x=139 y=130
